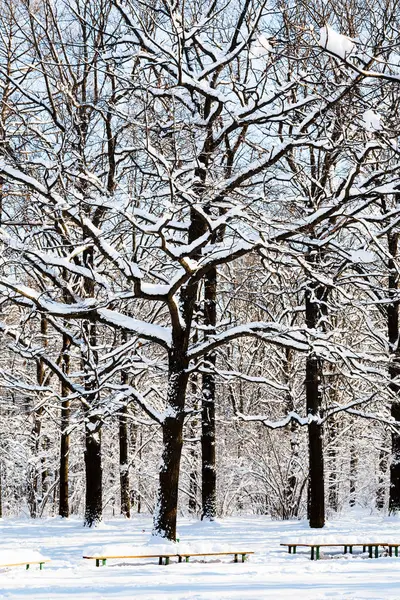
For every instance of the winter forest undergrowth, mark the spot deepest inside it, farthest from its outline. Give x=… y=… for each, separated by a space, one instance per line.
x=199 y=260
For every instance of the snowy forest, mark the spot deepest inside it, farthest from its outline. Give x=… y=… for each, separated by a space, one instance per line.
x=199 y=258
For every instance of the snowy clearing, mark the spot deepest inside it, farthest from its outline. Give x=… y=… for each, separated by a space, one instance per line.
x=270 y=573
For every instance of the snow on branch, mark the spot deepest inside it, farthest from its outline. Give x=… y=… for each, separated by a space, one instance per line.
x=334 y=42
x=92 y=309
x=273 y=333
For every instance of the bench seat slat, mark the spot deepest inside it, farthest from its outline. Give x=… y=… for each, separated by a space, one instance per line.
x=110 y=556
x=161 y=556
x=213 y=553
x=25 y=562
x=314 y=545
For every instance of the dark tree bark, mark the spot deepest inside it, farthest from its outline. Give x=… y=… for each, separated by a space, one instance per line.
x=193 y=475
x=193 y=484
x=94 y=472
x=290 y=504
x=382 y=471
x=316 y=488
x=135 y=442
x=166 y=511
x=353 y=473
x=124 y=450
x=65 y=436
x=394 y=369
x=93 y=424
x=333 y=492
x=124 y=463
x=37 y=478
x=208 y=466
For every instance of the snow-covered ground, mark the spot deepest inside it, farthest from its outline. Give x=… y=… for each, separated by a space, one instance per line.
x=270 y=573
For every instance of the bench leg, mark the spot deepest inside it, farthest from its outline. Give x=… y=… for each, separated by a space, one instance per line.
x=376 y=551
x=364 y=548
x=390 y=550
x=180 y=559
x=290 y=549
x=160 y=560
x=351 y=549
x=370 y=551
x=187 y=559
x=312 y=552
x=345 y=550
x=167 y=560
x=97 y=562
x=235 y=558
x=243 y=557
x=294 y=549
x=317 y=553
x=103 y=562
x=41 y=566
x=396 y=551
x=27 y=567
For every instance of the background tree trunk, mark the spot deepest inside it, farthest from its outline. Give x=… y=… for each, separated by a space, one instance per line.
x=333 y=489
x=94 y=473
x=93 y=424
x=124 y=463
x=65 y=436
x=382 y=472
x=208 y=466
x=316 y=488
x=353 y=473
x=394 y=369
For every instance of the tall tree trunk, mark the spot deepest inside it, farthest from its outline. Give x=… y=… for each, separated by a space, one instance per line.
x=172 y=431
x=37 y=481
x=382 y=471
x=290 y=508
x=333 y=492
x=135 y=441
x=124 y=450
x=353 y=473
x=316 y=488
x=93 y=424
x=193 y=483
x=124 y=463
x=208 y=466
x=164 y=523
x=94 y=472
x=394 y=370
x=193 y=474
x=65 y=436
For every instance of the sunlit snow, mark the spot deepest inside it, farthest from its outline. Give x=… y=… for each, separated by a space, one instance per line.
x=372 y=121
x=335 y=42
x=270 y=573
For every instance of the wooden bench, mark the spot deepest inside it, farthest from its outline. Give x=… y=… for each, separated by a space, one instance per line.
x=373 y=548
x=186 y=556
x=104 y=559
x=166 y=557
x=27 y=564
